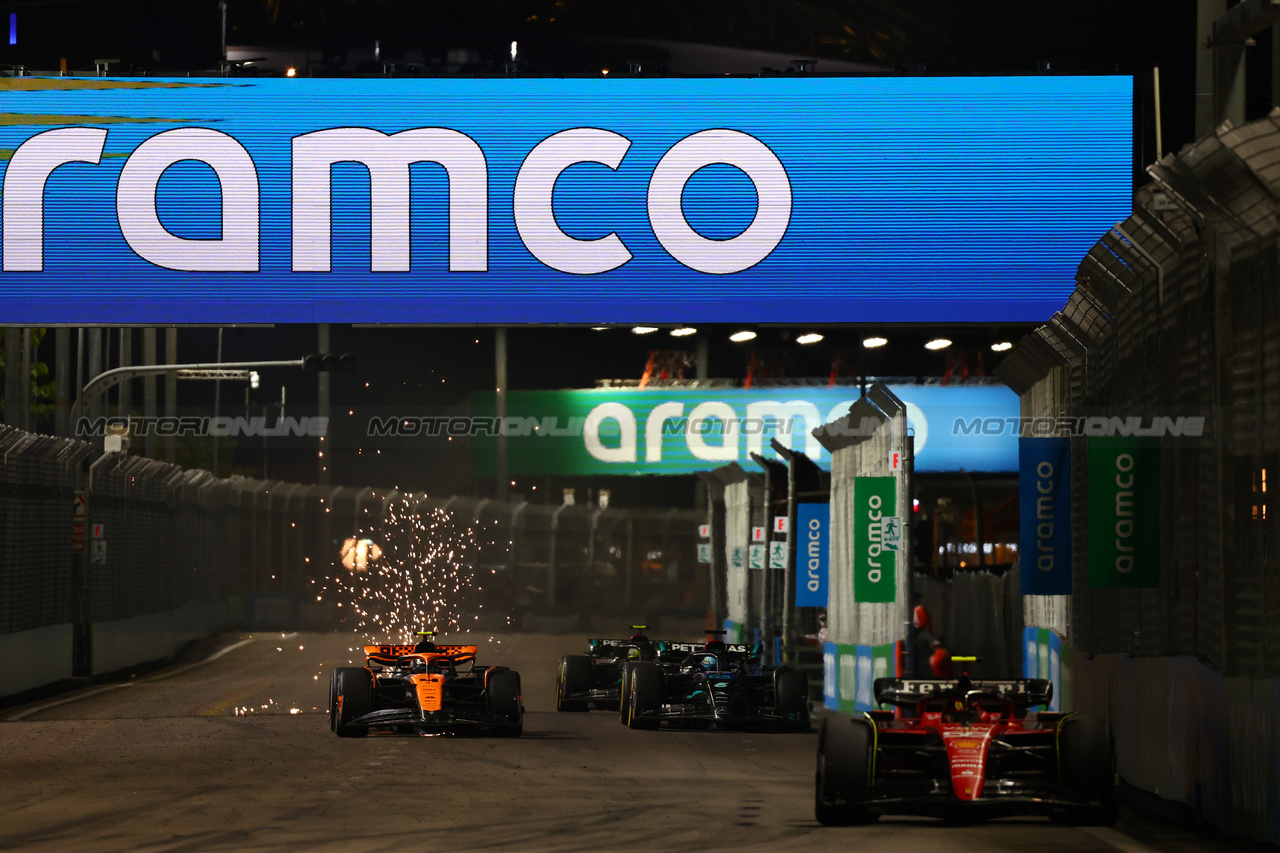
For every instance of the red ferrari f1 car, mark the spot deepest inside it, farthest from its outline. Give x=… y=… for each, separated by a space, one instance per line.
x=424 y=688
x=965 y=750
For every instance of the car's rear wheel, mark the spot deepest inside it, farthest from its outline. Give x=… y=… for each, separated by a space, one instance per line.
x=502 y=699
x=573 y=677
x=351 y=692
x=791 y=696
x=1086 y=758
x=844 y=771
x=645 y=695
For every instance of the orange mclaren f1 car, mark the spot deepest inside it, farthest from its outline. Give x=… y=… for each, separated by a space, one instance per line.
x=424 y=688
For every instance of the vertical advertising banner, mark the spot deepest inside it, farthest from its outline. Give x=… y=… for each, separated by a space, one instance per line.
x=874 y=575
x=1124 y=512
x=1044 y=507
x=813 y=538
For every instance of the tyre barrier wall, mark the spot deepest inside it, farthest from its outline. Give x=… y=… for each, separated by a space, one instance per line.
x=1176 y=313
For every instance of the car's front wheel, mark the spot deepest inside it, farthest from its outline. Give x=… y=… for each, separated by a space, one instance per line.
x=351 y=697
x=573 y=678
x=844 y=771
x=1086 y=758
x=624 y=693
x=645 y=695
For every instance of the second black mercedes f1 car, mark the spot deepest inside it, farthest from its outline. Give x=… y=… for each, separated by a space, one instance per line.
x=594 y=679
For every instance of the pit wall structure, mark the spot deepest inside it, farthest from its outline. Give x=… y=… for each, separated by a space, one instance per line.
x=1176 y=313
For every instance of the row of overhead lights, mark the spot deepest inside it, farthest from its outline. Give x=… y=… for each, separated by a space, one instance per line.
x=736 y=337
x=808 y=338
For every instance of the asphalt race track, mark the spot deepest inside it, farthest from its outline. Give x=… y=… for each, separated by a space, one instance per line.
x=235 y=753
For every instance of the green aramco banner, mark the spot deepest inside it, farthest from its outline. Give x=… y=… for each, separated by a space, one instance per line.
x=874 y=568
x=1124 y=512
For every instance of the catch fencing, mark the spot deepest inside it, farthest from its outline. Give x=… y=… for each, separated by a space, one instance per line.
x=1176 y=313
x=164 y=555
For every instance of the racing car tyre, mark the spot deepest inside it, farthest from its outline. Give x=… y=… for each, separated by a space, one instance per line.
x=1086 y=760
x=844 y=770
x=624 y=692
x=502 y=697
x=791 y=695
x=333 y=701
x=573 y=676
x=352 y=692
x=645 y=695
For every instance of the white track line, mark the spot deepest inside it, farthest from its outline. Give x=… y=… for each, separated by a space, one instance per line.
x=1118 y=840
x=21 y=715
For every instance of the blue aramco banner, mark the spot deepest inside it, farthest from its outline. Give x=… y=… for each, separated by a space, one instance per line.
x=813 y=541
x=1044 y=507
x=555 y=200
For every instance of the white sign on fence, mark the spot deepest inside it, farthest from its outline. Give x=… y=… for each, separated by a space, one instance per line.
x=777 y=554
x=891 y=533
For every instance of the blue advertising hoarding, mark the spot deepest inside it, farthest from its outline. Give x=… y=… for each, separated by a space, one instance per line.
x=813 y=544
x=555 y=200
x=830 y=676
x=1044 y=510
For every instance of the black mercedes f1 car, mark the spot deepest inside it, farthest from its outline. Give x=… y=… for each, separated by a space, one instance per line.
x=715 y=684
x=595 y=679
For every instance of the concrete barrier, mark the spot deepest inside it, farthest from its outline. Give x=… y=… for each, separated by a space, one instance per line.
x=1188 y=734
x=128 y=642
x=34 y=658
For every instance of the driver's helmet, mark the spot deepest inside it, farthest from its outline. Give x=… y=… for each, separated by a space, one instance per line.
x=707 y=663
x=959 y=711
x=643 y=645
x=426 y=642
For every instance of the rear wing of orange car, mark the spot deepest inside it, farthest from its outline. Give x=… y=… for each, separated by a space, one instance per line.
x=395 y=655
x=439 y=651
